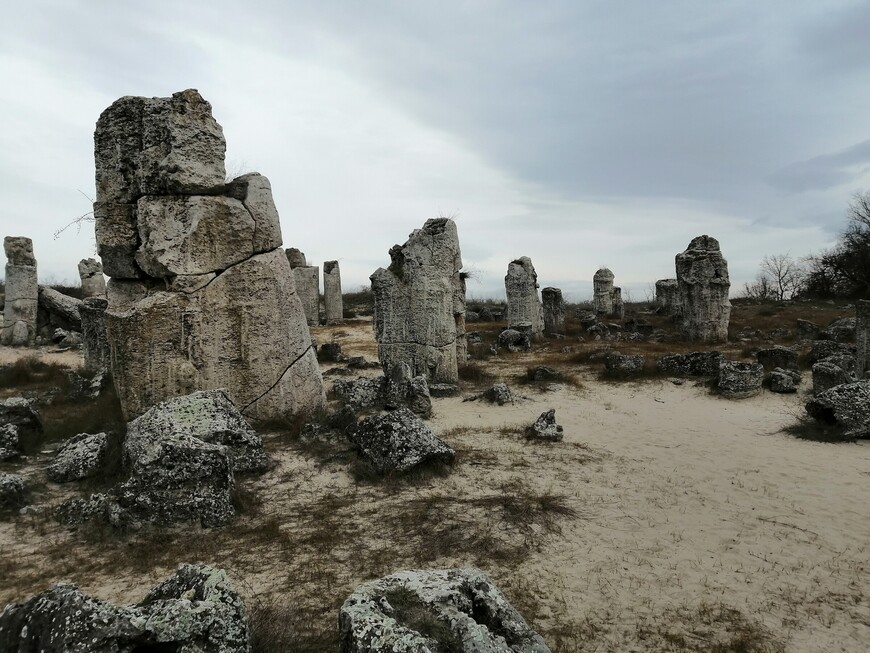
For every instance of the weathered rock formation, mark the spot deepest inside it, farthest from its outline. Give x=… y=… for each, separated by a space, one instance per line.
x=545 y=428
x=846 y=405
x=772 y=357
x=618 y=306
x=333 y=304
x=702 y=275
x=12 y=496
x=862 y=338
x=201 y=294
x=739 y=380
x=784 y=381
x=697 y=363
x=57 y=310
x=624 y=364
x=95 y=342
x=418 y=318
x=22 y=293
x=457 y=610
x=602 y=292
x=91 y=274
x=513 y=340
x=668 y=297
x=397 y=390
x=524 y=310
x=80 y=457
x=554 y=311
x=307 y=278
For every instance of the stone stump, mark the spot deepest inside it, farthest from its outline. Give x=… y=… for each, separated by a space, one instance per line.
x=668 y=296
x=702 y=275
x=91 y=274
x=417 y=304
x=616 y=301
x=524 y=311
x=333 y=305
x=554 y=311
x=22 y=293
x=862 y=338
x=602 y=292
x=95 y=343
x=201 y=294
x=307 y=278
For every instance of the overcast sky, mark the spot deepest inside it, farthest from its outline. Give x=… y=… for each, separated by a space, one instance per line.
x=578 y=133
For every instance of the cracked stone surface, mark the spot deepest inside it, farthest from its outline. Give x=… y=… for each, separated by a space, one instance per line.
x=333 y=304
x=702 y=275
x=307 y=279
x=524 y=310
x=22 y=293
x=602 y=291
x=91 y=275
x=668 y=297
x=554 y=310
x=419 y=316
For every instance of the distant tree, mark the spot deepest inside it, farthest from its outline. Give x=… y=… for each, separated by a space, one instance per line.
x=759 y=290
x=785 y=275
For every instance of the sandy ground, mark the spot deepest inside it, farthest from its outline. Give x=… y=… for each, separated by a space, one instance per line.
x=682 y=500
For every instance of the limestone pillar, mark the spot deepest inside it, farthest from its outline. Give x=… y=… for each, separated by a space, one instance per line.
x=554 y=311
x=420 y=304
x=702 y=275
x=862 y=337
x=524 y=310
x=91 y=274
x=307 y=278
x=618 y=308
x=95 y=342
x=668 y=296
x=22 y=293
x=333 y=306
x=602 y=289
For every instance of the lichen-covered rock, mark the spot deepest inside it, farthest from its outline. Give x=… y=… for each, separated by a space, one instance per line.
x=772 y=357
x=624 y=364
x=80 y=457
x=499 y=394
x=21 y=293
x=398 y=390
x=414 y=611
x=79 y=510
x=333 y=303
x=822 y=349
x=419 y=314
x=702 y=275
x=12 y=492
x=196 y=610
x=697 y=363
x=738 y=380
x=830 y=372
x=10 y=445
x=91 y=275
x=847 y=405
x=524 y=311
x=840 y=330
x=545 y=428
x=21 y=413
x=398 y=442
x=554 y=310
x=513 y=340
x=207 y=415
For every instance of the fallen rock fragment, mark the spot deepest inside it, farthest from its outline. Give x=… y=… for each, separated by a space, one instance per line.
x=80 y=457
x=545 y=428
x=12 y=491
x=739 y=380
x=847 y=405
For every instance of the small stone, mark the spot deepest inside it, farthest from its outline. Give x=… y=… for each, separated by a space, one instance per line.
x=12 y=491
x=80 y=457
x=545 y=428
x=398 y=442
x=738 y=380
x=499 y=394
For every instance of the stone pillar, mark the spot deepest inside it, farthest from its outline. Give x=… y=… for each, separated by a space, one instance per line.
x=602 y=292
x=333 y=306
x=418 y=305
x=91 y=274
x=307 y=278
x=95 y=342
x=668 y=296
x=616 y=303
x=201 y=294
x=554 y=311
x=459 y=308
x=862 y=337
x=22 y=293
x=524 y=310
x=702 y=275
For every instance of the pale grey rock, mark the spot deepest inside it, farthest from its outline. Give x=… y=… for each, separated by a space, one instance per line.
x=444 y=390
x=22 y=300
x=524 y=310
x=602 y=292
x=784 y=381
x=624 y=364
x=398 y=442
x=739 y=380
x=399 y=389
x=554 y=310
x=617 y=303
x=71 y=339
x=21 y=413
x=63 y=309
x=296 y=258
x=255 y=192
x=307 y=280
x=696 y=363
x=419 y=318
x=333 y=306
x=12 y=494
x=772 y=357
x=197 y=610
x=117 y=239
x=388 y=615
x=87 y=387
x=667 y=299
x=80 y=510
x=862 y=338
x=702 y=275
x=822 y=349
x=79 y=458
x=840 y=330
x=513 y=340
x=499 y=394
x=830 y=372
x=545 y=428
x=95 y=342
x=845 y=404
x=10 y=444
x=91 y=275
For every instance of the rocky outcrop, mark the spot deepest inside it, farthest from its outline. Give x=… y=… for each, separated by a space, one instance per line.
x=667 y=299
x=784 y=381
x=696 y=363
x=846 y=405
x=201 y=294
x=840 y=330
x=95 y=342
x=296 y=258
x=602 y=292
x=618 y=305
x=307 y=279
x=62 y=310
x=197 y=609
x=79 y=458
x=624 y=364
x=513 y=340
x=457 y=610
x=832 y=371
x=499 y=394
x=418 y=318
x=822 y=349
x=524 y=311
x=702 y=275
x=738 y=380
x=545 y=428
x=333 y=304
x=862 y=338
x=10 y=444
x=21 y=413
x=772 y=357
x=554 y=311
x=91 y=275
x=12 y=495
x=22 y=299
x=398 y=442
x=397 y=390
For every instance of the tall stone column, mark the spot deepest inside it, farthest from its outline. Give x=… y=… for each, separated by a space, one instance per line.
x=862 y=337
x=618 y=308
x=420 y=304
x=702 y=275
x=91 y=274
x=668 y=296
x=95 y=342
x=524 y=310
x=554 y=311
x=333 y=305
x=22 y=293
x=307 y=278
x=602 y=292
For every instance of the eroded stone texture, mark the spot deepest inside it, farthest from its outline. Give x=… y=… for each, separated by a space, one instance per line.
x=846 y=405
x=60 y=310
x=696 y=363
x=307 y=279
x=524 y=310
x=668 y=296
x=702 y=275
x=201 y=295
x=739 y=380
x=296 y=258
x=398 y=442
x=554 y=310
x=91 y=275
x=416 y=304
x=862 y=338
x=618 y=305
x=333 y=305
x=602 y=292
x=545 y=428
x=95 y=342
x=80 y=457
x=457 y=610
x=22 y=293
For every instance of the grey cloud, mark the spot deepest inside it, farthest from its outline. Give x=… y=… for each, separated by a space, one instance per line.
x=825 y=171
